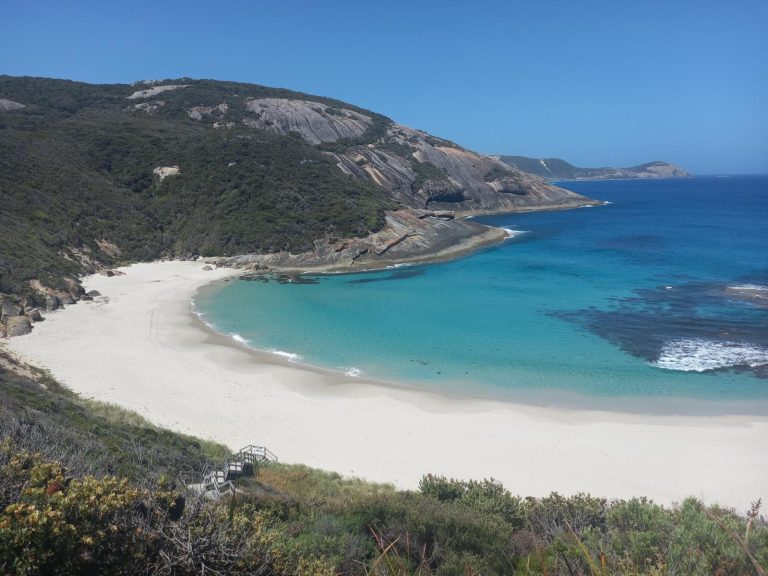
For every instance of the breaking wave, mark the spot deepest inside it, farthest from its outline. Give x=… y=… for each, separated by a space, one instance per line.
x=238 y=338
x=698 y=355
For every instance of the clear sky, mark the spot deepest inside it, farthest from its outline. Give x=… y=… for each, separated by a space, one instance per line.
x=594 y=82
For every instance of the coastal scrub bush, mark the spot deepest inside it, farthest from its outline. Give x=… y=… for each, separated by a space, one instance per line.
x=59 y=525
x=639 y=532
x=487 y=496
x=702 y=543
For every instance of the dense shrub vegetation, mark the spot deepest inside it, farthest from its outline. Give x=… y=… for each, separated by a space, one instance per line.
x=76 y=167
x=90 y=489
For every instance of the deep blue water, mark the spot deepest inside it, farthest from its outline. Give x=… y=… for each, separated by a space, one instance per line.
x=644 y=297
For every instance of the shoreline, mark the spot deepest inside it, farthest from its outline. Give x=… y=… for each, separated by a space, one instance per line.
x=141 y=347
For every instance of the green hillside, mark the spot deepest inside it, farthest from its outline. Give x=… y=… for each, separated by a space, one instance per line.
x=76 y=167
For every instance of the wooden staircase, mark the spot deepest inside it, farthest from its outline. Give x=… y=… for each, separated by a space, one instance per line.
x=217 y=479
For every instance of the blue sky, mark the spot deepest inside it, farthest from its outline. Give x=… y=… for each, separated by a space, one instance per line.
x=597 y=83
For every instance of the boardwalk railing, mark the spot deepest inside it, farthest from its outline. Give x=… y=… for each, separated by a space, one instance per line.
x=217 y=480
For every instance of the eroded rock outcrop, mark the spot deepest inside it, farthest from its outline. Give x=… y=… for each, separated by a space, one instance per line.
x=407 y=237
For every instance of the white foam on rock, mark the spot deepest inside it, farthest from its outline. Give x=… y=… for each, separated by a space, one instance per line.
x=698 y=355
x=512 y=233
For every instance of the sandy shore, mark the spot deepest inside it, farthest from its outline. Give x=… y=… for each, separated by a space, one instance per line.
x=142 y=348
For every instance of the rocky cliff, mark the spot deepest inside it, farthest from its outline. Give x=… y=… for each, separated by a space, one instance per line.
x=557 y=169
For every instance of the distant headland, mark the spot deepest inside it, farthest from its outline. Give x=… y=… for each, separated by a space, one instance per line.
x=558 y=169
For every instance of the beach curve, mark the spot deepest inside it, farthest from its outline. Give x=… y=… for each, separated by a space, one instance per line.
x=140 y=346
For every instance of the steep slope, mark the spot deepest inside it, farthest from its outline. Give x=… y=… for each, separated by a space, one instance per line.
x=557 y=169
x=94 y=174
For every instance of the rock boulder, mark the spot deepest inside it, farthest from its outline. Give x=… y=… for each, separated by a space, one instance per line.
x=35 y=315
x=9 y=309
x=18 y=325
x=74 y=287
x=52 y=302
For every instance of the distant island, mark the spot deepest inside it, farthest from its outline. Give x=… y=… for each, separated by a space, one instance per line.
x=558 y=169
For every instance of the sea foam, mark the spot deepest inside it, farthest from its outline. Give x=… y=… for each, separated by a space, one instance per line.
x=290 y=355
x=698 y=355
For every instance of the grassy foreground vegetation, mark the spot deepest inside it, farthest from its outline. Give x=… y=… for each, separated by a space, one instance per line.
x=91 y=489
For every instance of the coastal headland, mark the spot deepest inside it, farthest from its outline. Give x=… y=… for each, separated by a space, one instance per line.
x=139 y=345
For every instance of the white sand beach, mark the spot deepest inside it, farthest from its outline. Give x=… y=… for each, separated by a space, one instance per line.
x=142 y=348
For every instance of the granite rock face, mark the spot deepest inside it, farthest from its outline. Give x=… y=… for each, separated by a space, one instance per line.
x=315 y=122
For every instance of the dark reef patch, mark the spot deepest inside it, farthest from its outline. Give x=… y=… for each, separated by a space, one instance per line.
x=702 y=320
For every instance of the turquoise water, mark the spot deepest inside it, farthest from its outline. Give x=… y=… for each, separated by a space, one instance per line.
x=641 y=298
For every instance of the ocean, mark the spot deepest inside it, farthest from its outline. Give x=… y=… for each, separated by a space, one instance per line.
x=656 y=301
